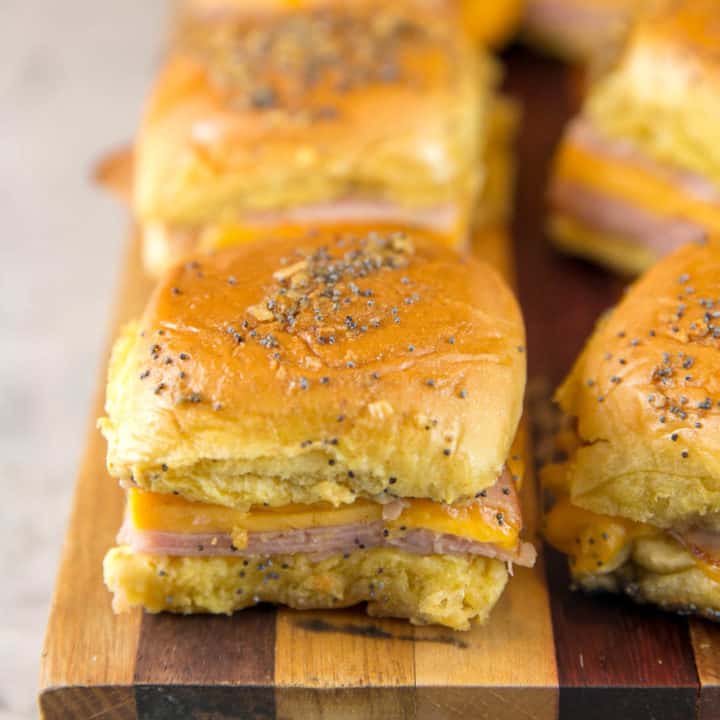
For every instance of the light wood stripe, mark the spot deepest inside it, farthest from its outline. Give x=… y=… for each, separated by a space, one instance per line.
x=85 y=644
x=515 y=649
x=338 y=664
x=705 y=638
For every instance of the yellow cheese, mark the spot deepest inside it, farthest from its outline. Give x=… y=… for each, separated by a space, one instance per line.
x=634 y=184
x=174 y=514
x=592 y=541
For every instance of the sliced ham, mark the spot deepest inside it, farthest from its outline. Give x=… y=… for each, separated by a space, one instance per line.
x=319 y=542
x=583 y=133
x=614 y=216
x=703 y=544
x=356 y=210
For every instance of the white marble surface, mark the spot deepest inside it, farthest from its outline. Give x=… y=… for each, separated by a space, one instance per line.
x=73 y=74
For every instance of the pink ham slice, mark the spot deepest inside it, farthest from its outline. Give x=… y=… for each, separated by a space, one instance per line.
x=319 y=542
x=583 y=133
x=440 y=217
x=614 y=216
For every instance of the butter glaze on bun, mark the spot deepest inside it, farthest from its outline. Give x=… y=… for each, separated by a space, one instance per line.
x=646 y=395
x=323 y=369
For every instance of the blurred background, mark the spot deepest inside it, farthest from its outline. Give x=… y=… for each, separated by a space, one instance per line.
x=73 y=76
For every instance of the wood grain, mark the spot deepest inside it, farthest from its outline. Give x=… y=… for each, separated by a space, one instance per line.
x=706 y=646
x=615 y=659
x=85 y=644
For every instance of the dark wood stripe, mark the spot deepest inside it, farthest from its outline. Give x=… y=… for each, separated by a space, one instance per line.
x=615 y=659
x=207 y=666
x=619 y=659
x=561 y=297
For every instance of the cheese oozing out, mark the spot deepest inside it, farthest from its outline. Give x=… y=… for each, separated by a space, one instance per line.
x=175 y=514
x=634 y=183
x=599 y=543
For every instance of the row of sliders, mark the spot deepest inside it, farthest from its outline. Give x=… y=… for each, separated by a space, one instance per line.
x=321 y=403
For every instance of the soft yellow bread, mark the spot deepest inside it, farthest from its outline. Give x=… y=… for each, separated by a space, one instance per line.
x=664 y=94
x=645 y=394
x=305 y=113
x=326 y=368
x=444 y=590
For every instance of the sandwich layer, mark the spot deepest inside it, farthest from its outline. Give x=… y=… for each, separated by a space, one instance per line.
x=608 y=192
x=613 y=554
x=324 y=369
x=489 y=525
x=442 y=589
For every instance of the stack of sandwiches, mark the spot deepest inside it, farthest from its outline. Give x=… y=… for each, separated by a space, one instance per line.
x=320 y=404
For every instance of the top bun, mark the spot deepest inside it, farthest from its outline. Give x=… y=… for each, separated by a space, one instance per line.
x=646 y=395
x=327 y=368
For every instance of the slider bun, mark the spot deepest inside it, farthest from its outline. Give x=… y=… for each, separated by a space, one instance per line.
x=664 y=94
x=660 y=571
x=231 y=132
x=646 y=395
x=408 y=382
x=445 y=590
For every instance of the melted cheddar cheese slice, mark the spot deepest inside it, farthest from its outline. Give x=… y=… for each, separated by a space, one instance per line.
x=635 y=184
x=174 y=514
x=599 y=543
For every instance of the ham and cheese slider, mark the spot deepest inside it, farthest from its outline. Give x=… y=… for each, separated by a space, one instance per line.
x=268 y=114
x=637 y=502
x=320 y=422
x=638 y=172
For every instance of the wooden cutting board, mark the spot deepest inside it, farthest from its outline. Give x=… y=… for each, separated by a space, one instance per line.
x=546 y=653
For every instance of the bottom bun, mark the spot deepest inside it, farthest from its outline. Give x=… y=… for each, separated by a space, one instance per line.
x=435 y=589
x=660 y=571
x=611 y=251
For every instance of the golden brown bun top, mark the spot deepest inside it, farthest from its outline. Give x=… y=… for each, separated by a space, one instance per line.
x=313 y=53
x=649 y=377
x=378 y=340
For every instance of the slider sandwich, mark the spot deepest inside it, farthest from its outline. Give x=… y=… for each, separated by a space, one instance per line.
x=638 y=172
x=320 y=422
x=637 y=501
x=270 y=114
